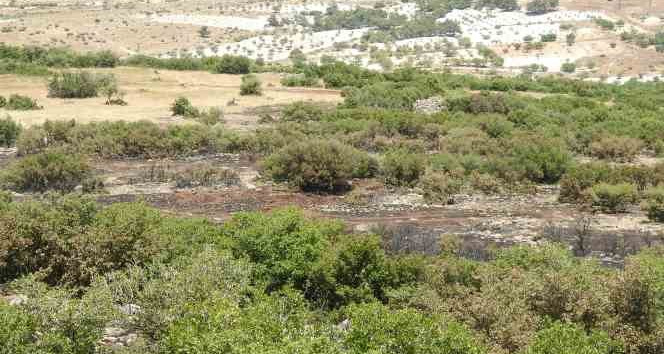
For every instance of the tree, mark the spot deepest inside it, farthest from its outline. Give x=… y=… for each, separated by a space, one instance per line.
x=204 y=32
x=570 y=38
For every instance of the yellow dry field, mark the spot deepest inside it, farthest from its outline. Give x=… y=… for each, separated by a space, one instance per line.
x=150 y=94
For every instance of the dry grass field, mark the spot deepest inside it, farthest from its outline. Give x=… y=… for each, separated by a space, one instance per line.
x=150 y=94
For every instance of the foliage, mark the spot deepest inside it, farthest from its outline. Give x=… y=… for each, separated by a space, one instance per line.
x=9 y=131
x=50 y=170
x=183 y=107
x=402 y=168
x=22 y=103
x=653 y=204
x=301 y=111
x=564 y=338
x=231 y=64
x=318 y=165
x=621 y=149
x=613 y=198
x=375 y=329
x=251 y=85
x=568 y=67
x=78 y=84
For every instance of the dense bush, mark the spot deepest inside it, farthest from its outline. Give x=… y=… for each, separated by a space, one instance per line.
x=439 y=187
x=653 y=204
x=22 y=103
x=622 y=149
x=251 y=85
x=568 y=67
x=77 y=84
x=402 y=168
x=613 y=198
x=125 y=139
x=3 y=102
x=32 y=60
x=183 y=107
x=542 y=161
x=231 y=64
x=299 y=80
x=49 y=170
x=301 y=112
x=318 y=165
x=9 y=131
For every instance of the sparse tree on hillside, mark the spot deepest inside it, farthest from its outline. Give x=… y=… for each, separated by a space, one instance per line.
x=571 y=38
x=204 y=32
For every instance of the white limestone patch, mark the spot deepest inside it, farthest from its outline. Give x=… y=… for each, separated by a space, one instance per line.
x=278 y=47
x=496 y=27
x=244 y=23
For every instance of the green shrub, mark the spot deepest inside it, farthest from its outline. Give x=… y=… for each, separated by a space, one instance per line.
x=183 y=107
x=563 y=338
x=231 y=64
x=543 y=161
x=9 y=131
x=301 y=111
x=77 y=84
x=439 y=187
x=17 y=330
x=212 y=116
x=251 y=85
x=616 y=148
x=299 y=80
x=318 y=165
x=402 y=168
x=377 y=329
x=613 y=198
x=50 y=170
x=568 y=67
x=22 y=103
x=285 y=245
x=653 y=204
x=3 y=101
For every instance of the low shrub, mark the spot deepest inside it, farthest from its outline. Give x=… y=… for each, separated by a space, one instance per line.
x=299 y=80
x=183 y=107
x=50 y=170
x=9 y=131
x=439 y=187
x=568 y=68
x=22 y=103
x=301 y=111
x=78 y=84
x=3 y=101
x=578 y=179
x=318 y=165
x=251 y=85
x=613 y=198
x=206 y=176
x=402 y=168
x=653 y=204
x=616 y=148
x=213 y=116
